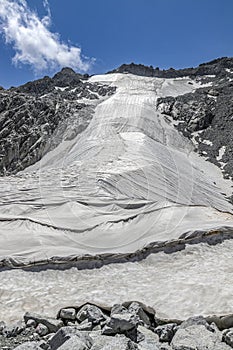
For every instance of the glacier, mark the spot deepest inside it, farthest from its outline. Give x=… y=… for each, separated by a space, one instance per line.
x=129 y=198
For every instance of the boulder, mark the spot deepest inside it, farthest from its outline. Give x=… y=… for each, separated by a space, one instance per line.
x=136 y=309
x=120 y=342
x=65 y=333
x=120 y=323
x=196 y=320
x=52 y=324
x=151 y=339
x=85 y=326
x=118 y=309
x=166 y=332
x=68 y=314
x=227 y=337
x=74 y=343
x=29 y=346
x=42 y=330
x=197 y=337
x=91 y=313
x=31 y=323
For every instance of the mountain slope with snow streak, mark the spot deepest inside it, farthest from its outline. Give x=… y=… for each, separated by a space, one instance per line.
x=128 y=181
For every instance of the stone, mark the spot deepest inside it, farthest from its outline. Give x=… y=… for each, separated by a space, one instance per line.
x=120 y=342
x=31 y=323
x=196 y=320
x=166 y=332
x=99 y=340
x=197 y=337
x=85 y=326
x=65 y=333
x=120 y=323
x=68 y=314
x=52 y=324
x=227 y=337
x=227 y=321
x=136 y=309
x=73 y=343
x=118 y=309
x=2 y=326
x=42 y=330
x=90 y=312
x=151 y=339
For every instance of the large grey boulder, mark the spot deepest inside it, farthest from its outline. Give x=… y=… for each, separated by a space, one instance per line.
x=51 y=323
x=65 y=333
x=197 y=337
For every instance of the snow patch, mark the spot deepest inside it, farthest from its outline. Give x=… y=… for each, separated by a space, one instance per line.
x=221 y=153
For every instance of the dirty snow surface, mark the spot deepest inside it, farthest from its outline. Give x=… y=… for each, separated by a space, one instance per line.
x=128 y=181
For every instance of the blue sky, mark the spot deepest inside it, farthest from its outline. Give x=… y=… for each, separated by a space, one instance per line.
x=98 y=35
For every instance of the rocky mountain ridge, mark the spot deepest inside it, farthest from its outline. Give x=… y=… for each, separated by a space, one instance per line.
x=204 y=116
x=37 y=116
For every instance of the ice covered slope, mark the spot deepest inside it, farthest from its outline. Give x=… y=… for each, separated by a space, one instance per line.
x=129 y=180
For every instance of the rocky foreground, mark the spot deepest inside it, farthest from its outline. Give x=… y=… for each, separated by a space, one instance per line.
x=127 y=326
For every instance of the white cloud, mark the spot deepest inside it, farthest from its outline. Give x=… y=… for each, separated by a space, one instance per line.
x=32 y=40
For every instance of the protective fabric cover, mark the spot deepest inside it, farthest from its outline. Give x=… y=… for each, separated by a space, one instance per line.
x=128 y=180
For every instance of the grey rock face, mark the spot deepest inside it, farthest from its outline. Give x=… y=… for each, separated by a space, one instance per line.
x=36 y=117
x=205 y=116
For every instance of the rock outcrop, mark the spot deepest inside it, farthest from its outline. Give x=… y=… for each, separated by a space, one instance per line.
x=38 y=116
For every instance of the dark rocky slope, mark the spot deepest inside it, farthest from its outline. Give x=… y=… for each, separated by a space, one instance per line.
x=36 y=117
x=205 y=116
